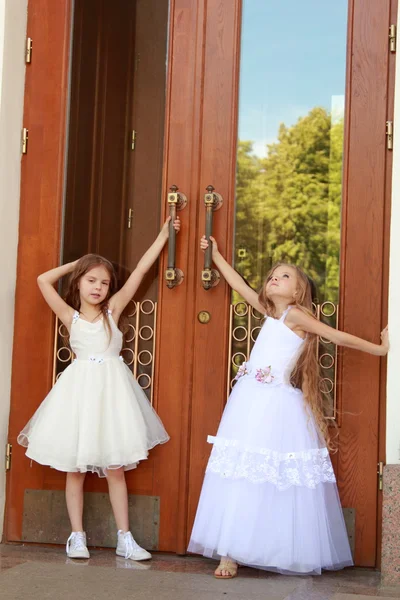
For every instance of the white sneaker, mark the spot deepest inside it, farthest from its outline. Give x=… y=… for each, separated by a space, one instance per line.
x=128 y=548
x=76 y=545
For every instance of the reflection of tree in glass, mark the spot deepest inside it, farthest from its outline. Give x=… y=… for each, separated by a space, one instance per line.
x=288 y=204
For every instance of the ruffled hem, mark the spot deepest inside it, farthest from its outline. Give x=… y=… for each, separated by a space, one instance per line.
x=288 y=568
x=231 y=459
x=128 y=463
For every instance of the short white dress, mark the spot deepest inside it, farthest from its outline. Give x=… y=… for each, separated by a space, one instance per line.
x=96 y=417
x=269 y=497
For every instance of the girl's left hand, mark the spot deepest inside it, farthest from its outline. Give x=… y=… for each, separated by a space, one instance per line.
x=385 y=340
x=177 y=226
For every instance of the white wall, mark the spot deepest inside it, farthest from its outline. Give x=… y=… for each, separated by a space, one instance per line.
x=393 y=375
x=13 y=15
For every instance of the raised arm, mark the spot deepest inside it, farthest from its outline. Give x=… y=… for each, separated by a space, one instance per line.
x=299 y=320
x=46 y=283
x=125 y=294
x=233 y=279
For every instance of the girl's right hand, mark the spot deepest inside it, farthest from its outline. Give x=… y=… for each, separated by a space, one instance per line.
x=204 y=245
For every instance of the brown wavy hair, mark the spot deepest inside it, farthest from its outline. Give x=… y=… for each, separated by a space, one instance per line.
x=306 y=373
x=72 y=295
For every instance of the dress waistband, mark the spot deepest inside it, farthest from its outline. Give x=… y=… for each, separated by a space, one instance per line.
x=99 y=359
x=264 y=375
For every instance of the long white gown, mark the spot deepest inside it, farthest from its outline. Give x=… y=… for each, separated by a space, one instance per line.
x=96 y=417
x=269 y=497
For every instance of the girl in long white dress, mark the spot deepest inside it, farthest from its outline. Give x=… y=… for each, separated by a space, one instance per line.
x=269 y=497
x=96 y=417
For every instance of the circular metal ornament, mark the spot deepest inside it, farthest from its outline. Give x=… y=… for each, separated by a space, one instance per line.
x=133 y=313
x=145 y=302
x=236 y=336
x=238 y=354
x=63 y=331
x=329 y=385
x=256 y=314
x=322 y=360
x=147 y=377
x=142 y=329
x=328 y=305
x=254 y=331
x=140 y=358
x=67 y=358
x=131 y=352
x=128 y=340
x=241 y=309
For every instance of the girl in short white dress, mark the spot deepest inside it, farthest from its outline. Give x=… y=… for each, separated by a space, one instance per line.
x=269 y=497
x=96 y=418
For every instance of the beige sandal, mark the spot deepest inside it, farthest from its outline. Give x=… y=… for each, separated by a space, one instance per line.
x=228 y=565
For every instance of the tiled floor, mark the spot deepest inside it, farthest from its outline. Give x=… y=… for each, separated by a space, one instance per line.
x=43 y=572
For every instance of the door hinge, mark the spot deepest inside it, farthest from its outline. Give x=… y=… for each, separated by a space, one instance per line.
x=380 y=475
x=133 y=139
x=8 y=456
x=24 y=140
x=130 y=217
x=392 y=38
x=28 y=50
x=389 y=135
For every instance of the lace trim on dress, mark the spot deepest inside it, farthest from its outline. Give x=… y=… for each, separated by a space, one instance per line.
x=232 y=460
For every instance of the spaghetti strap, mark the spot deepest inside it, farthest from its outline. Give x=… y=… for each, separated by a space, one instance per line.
x=75 y=317
x=284 y=315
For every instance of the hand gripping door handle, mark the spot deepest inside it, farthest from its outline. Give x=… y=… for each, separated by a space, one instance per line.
x=212 y=201
x=176 y=201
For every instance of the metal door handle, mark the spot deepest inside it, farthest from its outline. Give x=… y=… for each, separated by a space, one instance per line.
x=212 y=201
x=176 y=201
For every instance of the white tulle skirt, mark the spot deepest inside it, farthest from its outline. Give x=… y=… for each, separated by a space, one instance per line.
x=96 y=417
x=269 y=497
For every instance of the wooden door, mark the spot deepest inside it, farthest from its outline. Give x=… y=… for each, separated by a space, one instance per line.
x=116 y=59
x=200 y=149
x=365 y=196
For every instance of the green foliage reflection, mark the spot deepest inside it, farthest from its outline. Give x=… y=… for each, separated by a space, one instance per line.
x=288 y=205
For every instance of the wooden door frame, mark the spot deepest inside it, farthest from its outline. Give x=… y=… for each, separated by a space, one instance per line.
x=391 y=76
x=366 y=202
x=42 y=189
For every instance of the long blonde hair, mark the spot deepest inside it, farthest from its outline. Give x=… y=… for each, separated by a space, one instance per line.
x=306 y=373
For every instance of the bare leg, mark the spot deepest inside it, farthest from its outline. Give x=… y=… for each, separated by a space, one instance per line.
x=118 y=497
x=74 y=498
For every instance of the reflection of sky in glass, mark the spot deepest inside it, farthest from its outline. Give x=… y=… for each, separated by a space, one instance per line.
x=293 y=58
